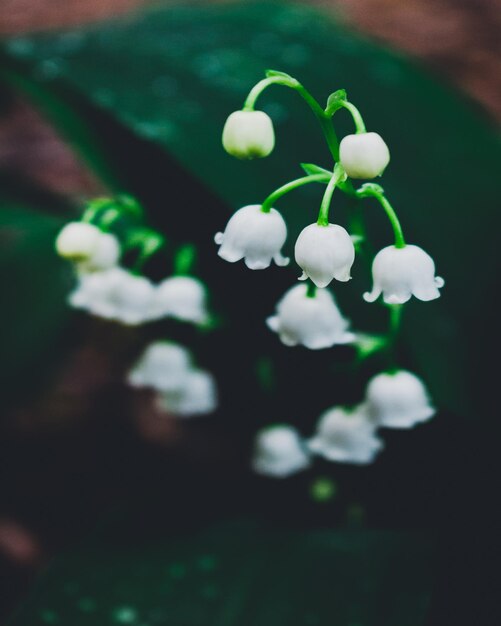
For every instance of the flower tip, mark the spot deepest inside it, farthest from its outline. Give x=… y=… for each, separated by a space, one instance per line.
x=219 y=238
x=303 y=276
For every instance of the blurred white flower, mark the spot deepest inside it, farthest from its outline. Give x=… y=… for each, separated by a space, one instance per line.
x=182 y=297
x=164 y=366
x=399 y=273
x=254 y=236
x=324 y=253
x=115 y=294
x=346 y=436
x=398 y=400
x=86 y=245
x=196 y=396
x=248 y=134
x=364 y=155
x=279 y=452
x=314 y=322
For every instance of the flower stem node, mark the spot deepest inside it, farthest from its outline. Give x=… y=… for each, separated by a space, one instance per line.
x=279 y=452
x=248 y=135
x=183 y=298
x=346 y=435
x=314 y=322
x=88 y=247
x=364 y=155
x=398 y=400
x=325 y=253
x=399 y=273
x=255 y=236
x=115 y=294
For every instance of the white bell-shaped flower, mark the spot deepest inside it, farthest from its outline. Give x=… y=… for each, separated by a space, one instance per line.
x=399 y=273
x=254 y=236
x=398 y=400
x=105 y=255
x=89 y=247
x=77 y=241
x=346 y=436
x=364 y=155
x=115 y=294
x=248 y=134
x=197 y=396
x=315 y=322
x=279 y=452
x=325 y=253
x=164 y=366
x=182 y=297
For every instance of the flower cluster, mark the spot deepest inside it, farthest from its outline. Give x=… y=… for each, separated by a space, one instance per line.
x=109 y=290
x=325 y=252
x=106 y=289
x=181 y=389
x=396 y=399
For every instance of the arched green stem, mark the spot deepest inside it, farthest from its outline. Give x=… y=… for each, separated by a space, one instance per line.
x=356 y=115
x=337 y=176
x=292 y=83
x=293 y=184
x=375 y=191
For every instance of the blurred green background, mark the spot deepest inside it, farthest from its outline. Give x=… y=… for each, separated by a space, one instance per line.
x=185 y=534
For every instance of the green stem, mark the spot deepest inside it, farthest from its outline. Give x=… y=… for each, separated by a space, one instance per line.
x=356 y=115
x=311 y=289
x=293 y=184
x=292 y=83
x=184 y=259
x=323 y=214
x=375 y=191
x=393 y=332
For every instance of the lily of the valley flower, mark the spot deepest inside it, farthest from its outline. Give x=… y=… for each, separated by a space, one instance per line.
x=115 y=294
x=325 y=253
x=399 y=273
x=398 y=400
x=255 y=236
x=89 y=247
x=279 y=452
x=163 y=366
x=313 y=321
x=364 y=155
x=248 y=134
x=197 y=396
x=346 y=436
x=183 y=298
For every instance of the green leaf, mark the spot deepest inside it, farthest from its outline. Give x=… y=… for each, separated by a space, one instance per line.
x=239 y=574
x=190 y=67
x=312 y=169
x=335 y=100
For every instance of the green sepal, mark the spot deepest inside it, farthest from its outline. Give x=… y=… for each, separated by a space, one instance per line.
x=277 y=74
x=335 y=101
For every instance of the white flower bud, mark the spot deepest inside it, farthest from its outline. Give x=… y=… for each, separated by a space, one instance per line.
x=364 y=155
x=78 y=241
x=197 y=396
x=346 y=436
x=398 y=400
x=163 y=366
x=324 y=253
x=315 y=322
x=182 y=297
x=279 y=452
x=254 y=236
x=115 y=294
x=248 y=135
x=105 y=255
x=399 y=273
